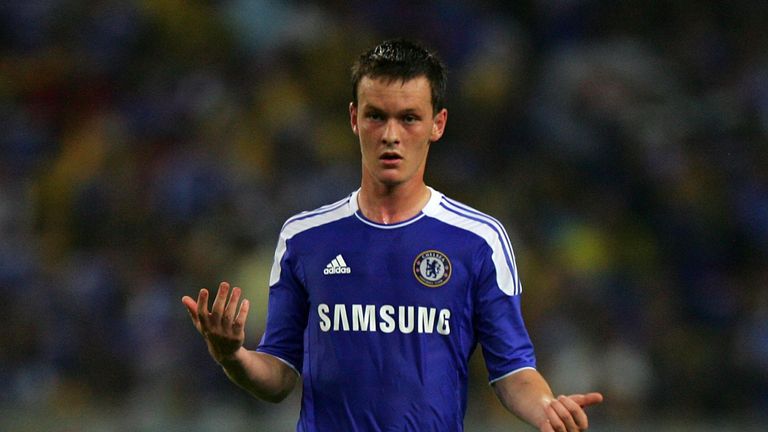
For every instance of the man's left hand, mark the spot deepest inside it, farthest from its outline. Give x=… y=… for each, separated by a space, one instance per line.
x=566 y=413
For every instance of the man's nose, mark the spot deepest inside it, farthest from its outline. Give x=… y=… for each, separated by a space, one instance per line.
x=391 y=135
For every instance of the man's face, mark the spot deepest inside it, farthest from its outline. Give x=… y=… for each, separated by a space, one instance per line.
x=395 y=124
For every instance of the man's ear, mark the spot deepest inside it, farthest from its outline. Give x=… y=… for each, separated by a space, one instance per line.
x=438 y=126
x=353 y=117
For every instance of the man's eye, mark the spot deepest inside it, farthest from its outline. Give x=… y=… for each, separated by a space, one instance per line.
x=410 y=119
x=374 y=116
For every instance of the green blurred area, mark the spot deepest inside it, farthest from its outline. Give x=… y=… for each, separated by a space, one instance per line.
x=152 y=148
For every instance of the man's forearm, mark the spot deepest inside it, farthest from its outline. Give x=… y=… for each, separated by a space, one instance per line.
x=262 y=375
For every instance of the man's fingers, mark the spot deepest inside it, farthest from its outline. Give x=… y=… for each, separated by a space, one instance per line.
x=564 y=414
x=554 y=420
x=191 y=306
x=585 y=400
x=231 y=310
x=202 y=308
x=577 y=413
x=220 y=301
x=242 y=316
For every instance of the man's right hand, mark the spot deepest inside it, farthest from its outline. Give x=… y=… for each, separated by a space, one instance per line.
x=223 y=328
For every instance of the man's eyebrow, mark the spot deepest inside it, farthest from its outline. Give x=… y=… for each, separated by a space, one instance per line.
x=406 y=111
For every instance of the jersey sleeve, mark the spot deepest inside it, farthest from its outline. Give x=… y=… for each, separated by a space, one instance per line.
x=286 y=310
x=498 y=321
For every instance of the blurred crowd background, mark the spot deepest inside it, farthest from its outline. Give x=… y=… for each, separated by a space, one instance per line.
x=152 y=148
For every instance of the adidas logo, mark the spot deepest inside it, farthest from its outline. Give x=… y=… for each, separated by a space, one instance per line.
x=337 y=266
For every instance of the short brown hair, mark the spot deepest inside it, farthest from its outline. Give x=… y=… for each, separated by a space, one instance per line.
x=404 y=60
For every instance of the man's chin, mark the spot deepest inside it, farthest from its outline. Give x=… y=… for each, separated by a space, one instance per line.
x=391 y=177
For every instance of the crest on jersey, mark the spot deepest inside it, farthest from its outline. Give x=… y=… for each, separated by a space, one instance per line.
x=432 y=268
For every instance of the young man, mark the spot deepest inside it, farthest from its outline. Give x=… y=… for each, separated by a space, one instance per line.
x=378 y=300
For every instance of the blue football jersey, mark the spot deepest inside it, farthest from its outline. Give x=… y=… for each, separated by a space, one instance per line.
x=381 y=320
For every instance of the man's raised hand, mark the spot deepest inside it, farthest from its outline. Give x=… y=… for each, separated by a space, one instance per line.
x=223 y=327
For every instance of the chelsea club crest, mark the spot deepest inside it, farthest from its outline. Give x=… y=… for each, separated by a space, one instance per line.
x=432 y=268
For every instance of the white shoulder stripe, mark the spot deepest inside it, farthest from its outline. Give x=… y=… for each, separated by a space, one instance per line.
x=472 y=213
x=318 y=211
x=490 y=219
x=494 y=235
x=305 y=221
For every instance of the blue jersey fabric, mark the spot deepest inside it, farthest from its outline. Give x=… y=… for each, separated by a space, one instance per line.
x=381 y=320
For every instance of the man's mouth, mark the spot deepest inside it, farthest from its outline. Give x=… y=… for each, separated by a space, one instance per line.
x=390 y=157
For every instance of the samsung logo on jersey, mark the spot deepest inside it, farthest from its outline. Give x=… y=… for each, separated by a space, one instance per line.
x=387 y=319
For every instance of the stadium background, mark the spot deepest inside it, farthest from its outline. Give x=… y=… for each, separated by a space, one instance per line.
x=150 y=148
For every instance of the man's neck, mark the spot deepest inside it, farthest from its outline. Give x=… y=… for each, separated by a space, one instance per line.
x=392 y=204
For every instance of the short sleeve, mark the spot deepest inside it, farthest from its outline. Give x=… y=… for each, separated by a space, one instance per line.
x=498 y=322
x=287 y=310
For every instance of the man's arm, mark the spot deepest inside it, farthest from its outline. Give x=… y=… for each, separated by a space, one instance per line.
x=223 y=329
x=527 y=395
x=262 y=375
